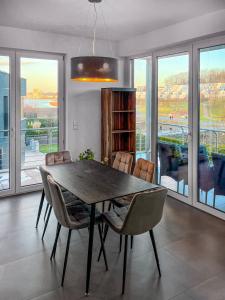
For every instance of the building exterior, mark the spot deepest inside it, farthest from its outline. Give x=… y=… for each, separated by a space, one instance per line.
x=4 y=117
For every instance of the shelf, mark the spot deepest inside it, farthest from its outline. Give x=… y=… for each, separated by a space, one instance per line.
x=114 y=152
x=118 y=121
x=123 y=131
x=124 y=111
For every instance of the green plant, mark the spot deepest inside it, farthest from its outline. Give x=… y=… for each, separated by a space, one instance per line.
x=170 y=140
x=87 y=154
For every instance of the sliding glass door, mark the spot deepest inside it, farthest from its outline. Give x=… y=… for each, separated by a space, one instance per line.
x=7 y=136
x=41 y=110
x=142 y=83
x=210 y=117
x=31 y=116
x=186 y=99
x=173 y=106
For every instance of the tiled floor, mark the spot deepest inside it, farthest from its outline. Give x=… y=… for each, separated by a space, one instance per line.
x=191 y=247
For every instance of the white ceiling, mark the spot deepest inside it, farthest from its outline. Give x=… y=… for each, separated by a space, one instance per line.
x=124 y=18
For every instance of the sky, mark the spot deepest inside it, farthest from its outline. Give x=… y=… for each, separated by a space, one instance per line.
x=4 y=64
x=40 y=73
x=171 y=65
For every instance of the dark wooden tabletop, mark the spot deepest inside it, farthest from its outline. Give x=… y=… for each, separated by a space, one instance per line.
x=93 y=182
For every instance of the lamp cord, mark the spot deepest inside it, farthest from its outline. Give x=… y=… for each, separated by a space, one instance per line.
x=107 y=33
x=94 y=30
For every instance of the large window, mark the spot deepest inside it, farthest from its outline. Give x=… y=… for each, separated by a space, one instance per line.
x=142 y=82
x=4 y=122
x=186 y=129
x=31 y=116
x=173 y=74
x=211 y=159
x=39 y=115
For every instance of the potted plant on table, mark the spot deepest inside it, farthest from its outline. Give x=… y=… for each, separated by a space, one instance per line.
x=87 y=155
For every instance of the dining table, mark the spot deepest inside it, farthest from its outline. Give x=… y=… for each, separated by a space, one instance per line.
x=92 y=182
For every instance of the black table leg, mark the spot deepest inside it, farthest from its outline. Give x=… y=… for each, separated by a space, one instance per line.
x=90 y=248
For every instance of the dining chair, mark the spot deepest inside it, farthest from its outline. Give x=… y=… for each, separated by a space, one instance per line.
x=143 y=214
x=53 y=158
x=71 y=217
x=123 y=162
x=69 y=198
x=144 y=169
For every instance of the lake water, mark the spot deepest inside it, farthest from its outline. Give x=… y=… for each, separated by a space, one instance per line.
x=38 y=103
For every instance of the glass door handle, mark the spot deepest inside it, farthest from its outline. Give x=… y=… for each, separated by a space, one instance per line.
x=12 y=132
x=189 y=136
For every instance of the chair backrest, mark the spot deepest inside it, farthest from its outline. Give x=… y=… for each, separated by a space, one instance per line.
x=123 y=162
x=58 y=158
x=205 y=176
x=219 y=170
x=58 y=203
x=145 y=212
x=169 y=156
x=144 y=169
x=44 y=175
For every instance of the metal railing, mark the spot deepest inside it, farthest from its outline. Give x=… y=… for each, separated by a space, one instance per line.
x=35 y=142
x=213 y=138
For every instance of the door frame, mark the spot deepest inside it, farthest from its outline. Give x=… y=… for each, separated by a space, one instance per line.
x=61 y=92
x=184 y=49
x=12 y=111
x=207 y=43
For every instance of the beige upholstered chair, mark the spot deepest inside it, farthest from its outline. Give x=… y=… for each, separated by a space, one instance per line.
x=142 y=215
x=69 y=198
x=53 y=158
x=58 y=158
x=144 y=169
x=123 y=162
x=72 y=217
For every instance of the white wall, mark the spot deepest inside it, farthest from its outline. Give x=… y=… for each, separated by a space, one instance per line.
x=82 y=99
x=209 y=24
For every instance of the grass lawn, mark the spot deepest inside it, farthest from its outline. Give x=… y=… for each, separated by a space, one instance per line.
x=48 y=148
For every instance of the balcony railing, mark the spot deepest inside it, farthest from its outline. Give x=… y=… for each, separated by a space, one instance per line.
x=214 y=139
x=35 y=142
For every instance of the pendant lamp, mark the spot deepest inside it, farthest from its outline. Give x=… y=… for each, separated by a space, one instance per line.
x=94 y=68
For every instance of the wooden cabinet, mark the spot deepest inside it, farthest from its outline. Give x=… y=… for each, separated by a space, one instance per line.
x=118 y=122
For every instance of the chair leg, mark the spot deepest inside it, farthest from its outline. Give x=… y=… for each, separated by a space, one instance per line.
x=46 y=222
x=46 y=211
x=124 y=264
x=131 y=241
x=155 y=250
x=66 y=256
x=56 y=241
x=110 y=205
x=104 y=238
x=103 y=247
x=121 y=241
x=103 y=210
x=40 y=207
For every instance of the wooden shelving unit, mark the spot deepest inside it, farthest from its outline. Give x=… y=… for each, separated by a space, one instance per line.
x=118 y=122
